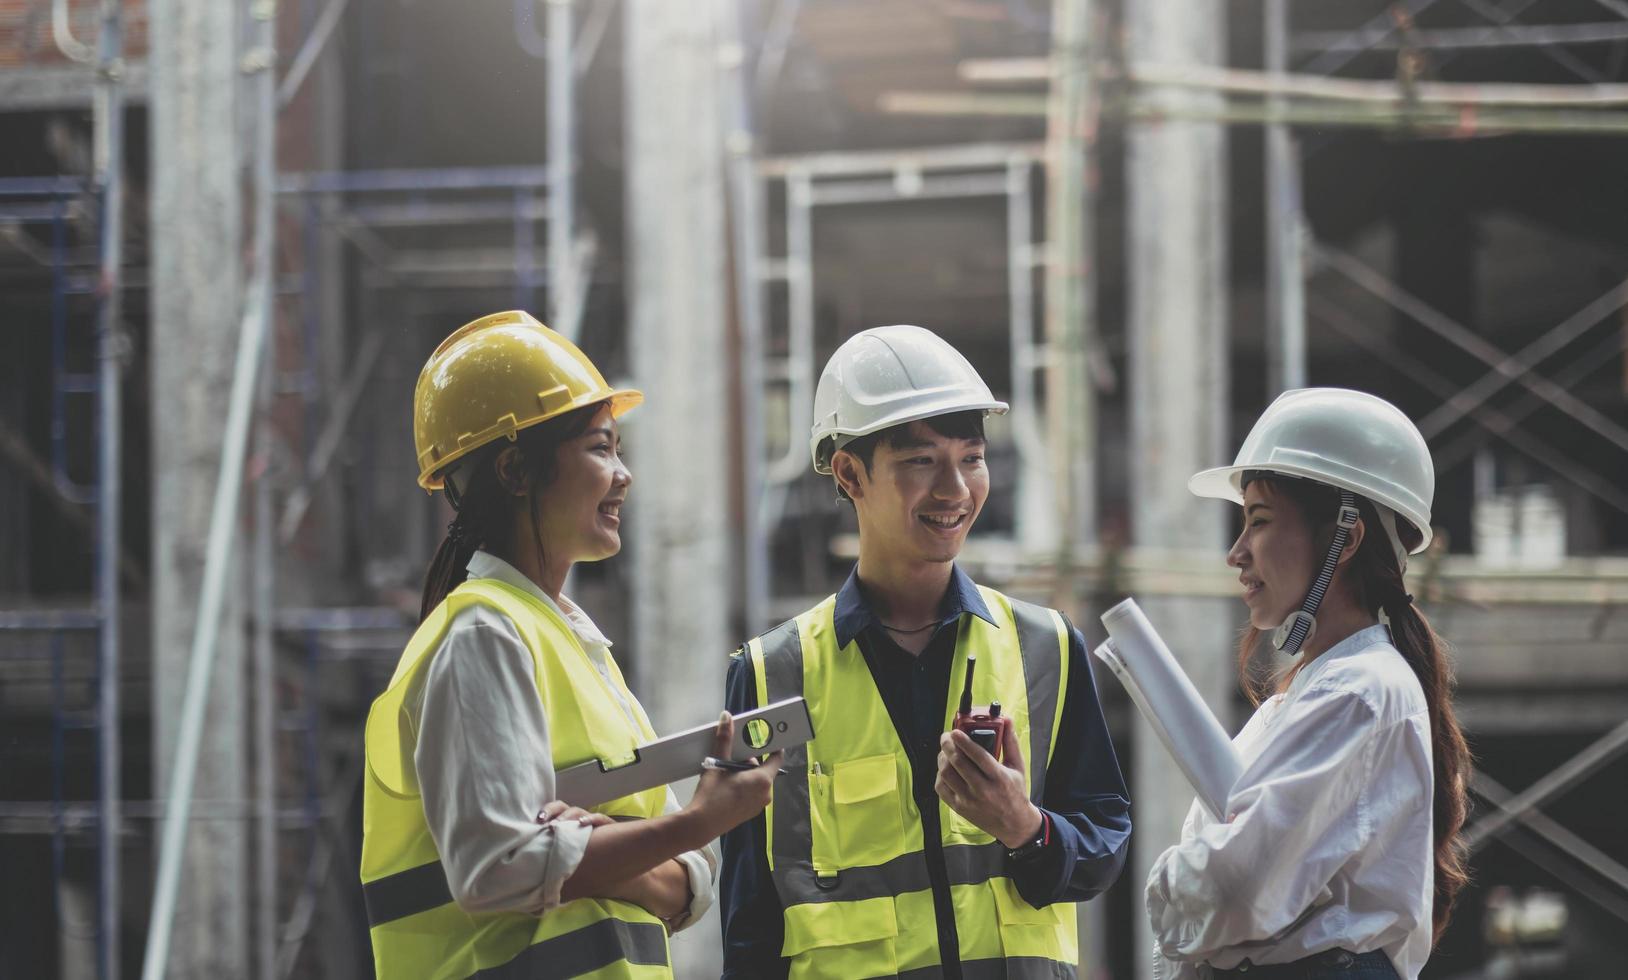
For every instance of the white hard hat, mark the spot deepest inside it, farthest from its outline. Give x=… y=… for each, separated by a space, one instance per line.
x=1350 y=440
x=886 y=376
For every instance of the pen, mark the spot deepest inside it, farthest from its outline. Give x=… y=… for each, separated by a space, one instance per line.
x=727 y=765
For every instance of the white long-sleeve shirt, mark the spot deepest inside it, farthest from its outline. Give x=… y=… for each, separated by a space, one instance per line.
x=1328 y=842
x=485 y=766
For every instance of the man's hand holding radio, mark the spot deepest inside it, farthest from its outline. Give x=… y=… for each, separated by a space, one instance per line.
x=988 y=793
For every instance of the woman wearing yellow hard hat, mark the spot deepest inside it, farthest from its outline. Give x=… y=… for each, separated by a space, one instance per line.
x=470 y=864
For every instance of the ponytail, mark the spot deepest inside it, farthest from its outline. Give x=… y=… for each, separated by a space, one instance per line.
x=1378 y=586
x=448 y=568
x=1425 y=652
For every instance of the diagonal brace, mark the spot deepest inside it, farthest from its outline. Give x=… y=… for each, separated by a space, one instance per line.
x=1443 y=326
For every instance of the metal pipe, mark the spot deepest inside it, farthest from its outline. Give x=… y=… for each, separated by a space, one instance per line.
x=58 y=763
x=49 y=620
x=776 y=41
x=108 y=109
x=252 y=331
x=1577 y=768
x=328 y=441
x=747 y=235
x=924 y=187
x=1603 y=353
x=1454 y=95
x=309 y=51
x=1539 y=823
x=862 y=162
x=525 y=262
x=1524 y=361
x=593 y=32
x=1354 y=270
x=1285 y=273
x=265 y=691
x=421 y=213
x=1528 y=843
x=1380 y=27
x=526 y=34
x=1462 y=38
x=390 y=180
x=1334 y=317
x=561 y=122
x=60 y=378
x=62 y=34
x=800 y=329
x=1034 y=505
x=41 y=186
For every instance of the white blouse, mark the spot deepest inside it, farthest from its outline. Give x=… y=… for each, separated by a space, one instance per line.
x=485 y=765
x=1328 y=841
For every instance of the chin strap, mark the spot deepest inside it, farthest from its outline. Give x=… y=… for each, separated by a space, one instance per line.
x=1300 y=625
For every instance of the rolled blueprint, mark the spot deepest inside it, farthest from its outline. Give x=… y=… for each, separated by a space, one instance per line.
x=1170 y=703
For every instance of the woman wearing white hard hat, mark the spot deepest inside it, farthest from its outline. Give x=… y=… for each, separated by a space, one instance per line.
x=1339 y=854
x=471 y=864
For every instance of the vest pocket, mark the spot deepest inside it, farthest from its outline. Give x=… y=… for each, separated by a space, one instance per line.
x=960 y=830
x=858 y=821
x=1026 y=930
x=842 y=939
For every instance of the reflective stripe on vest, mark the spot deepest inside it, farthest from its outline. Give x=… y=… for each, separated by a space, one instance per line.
x=1009 y=968
x=876 y=911
x=406 y=893
x=417 y=930
x=586 y=950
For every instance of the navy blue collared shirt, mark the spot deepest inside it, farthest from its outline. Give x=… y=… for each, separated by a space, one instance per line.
x=1085 y=799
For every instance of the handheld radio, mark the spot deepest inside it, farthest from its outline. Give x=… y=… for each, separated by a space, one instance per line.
x=985 y=725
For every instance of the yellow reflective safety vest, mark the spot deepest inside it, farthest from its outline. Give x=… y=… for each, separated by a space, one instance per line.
x=844 y=834
x=418 y=930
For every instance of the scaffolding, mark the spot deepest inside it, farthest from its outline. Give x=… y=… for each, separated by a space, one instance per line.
x=378 y=212
x=1298 y=264
x=365 y=208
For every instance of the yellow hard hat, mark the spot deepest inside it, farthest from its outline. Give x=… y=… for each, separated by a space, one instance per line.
x=492 y=378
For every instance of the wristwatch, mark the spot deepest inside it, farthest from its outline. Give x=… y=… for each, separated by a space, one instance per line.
x=1033 y=847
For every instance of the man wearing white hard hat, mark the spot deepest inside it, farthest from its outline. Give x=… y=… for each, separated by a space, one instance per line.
x=1339 y=853
x=894 y=844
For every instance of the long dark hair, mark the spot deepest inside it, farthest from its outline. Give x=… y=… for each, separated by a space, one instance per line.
x=1374 y=572
x=485 y=508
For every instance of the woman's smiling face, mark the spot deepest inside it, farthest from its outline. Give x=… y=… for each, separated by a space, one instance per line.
x=1275 y=554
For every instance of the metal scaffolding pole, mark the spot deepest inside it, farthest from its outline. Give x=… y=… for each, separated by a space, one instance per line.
x=263 y=578
x=1499 y=423
x=1035 y=507
x=1285 y=272
x=1462 y=38
x=1512 y=368
x=109 y=151
x=1360 y=274
x=1576 y=769
x=563 y=301
x=746 y=246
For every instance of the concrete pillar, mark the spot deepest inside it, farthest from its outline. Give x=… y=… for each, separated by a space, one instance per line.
x=1178 y=389
x=1070 y=288
x=678 y=304
x=197 y=226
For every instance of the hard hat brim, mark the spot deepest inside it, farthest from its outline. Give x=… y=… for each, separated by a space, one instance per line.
x=1226 y=483
x=620 y=399
x=992 y=406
